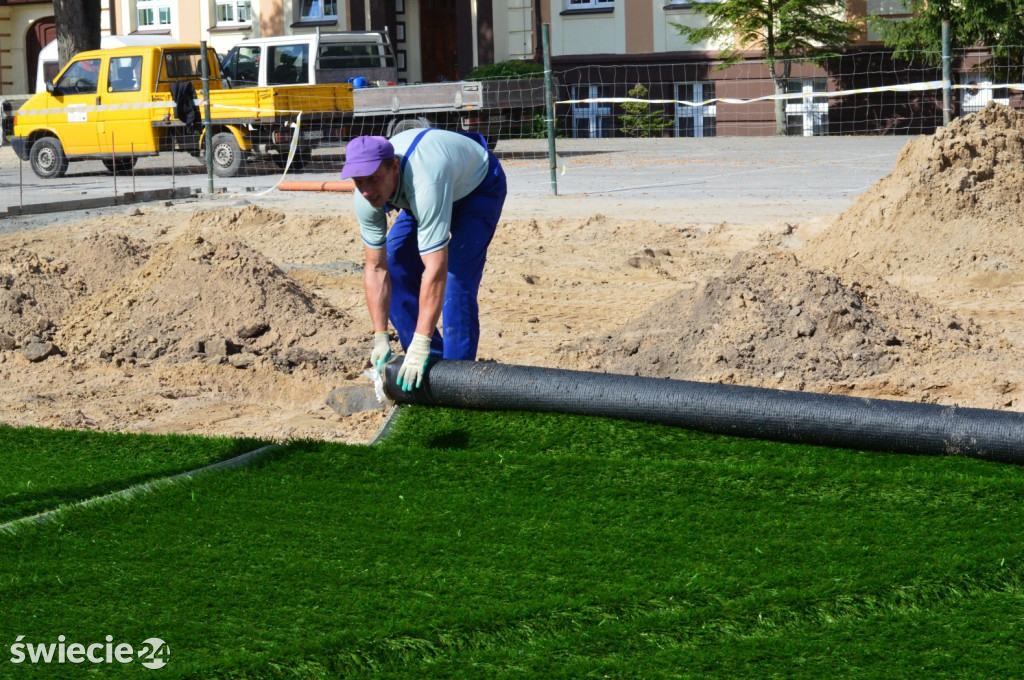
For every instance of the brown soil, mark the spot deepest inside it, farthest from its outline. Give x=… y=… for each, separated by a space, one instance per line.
x=241 y=320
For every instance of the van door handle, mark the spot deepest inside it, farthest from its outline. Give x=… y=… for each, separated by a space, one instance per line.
x=98 y=98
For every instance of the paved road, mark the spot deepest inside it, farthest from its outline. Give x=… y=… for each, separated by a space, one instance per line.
x=709 y=180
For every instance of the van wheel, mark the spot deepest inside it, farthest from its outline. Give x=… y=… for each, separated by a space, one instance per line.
x=47 y=158
x=120 y=166
x=409 y=124
x=228 y=160
x=300 y=160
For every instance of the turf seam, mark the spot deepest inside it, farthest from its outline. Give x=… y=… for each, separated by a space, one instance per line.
x=240 y=461
x=385 y=427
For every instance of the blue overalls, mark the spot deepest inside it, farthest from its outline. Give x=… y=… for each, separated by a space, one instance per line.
x=474 y=218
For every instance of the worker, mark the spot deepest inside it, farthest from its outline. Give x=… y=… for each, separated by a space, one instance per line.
x=448 y=190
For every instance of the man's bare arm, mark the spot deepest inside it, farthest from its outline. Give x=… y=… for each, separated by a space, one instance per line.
x=377 y=285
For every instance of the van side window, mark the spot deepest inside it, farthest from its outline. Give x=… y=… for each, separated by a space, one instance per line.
x=124 y=74
x=350 y=56
x=81 y=77
x=288 y=65
x=50 y=71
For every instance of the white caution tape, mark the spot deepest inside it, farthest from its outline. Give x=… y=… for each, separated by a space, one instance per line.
x=903 y=87
x=170 y=105
x=292 y=148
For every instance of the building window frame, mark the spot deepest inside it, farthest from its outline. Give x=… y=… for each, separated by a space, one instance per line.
x=587 y=6
x=808 y=115
x=318 y=10
x=591 y=119
x=232 y=12
x=153 y=15
x=696 y=121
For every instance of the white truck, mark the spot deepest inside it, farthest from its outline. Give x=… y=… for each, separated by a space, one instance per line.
x=494 y=108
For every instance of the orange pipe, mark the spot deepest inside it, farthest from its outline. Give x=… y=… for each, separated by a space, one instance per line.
x=341 y=185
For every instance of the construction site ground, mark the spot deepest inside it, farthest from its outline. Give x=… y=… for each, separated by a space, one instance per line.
x=885 y=267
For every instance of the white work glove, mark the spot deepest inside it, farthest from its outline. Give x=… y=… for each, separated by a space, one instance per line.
x=410 y=375
x=381 y=350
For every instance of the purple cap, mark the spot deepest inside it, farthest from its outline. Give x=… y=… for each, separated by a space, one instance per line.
x=363 y=156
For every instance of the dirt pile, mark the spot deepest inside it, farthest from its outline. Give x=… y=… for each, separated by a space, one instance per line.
x=953 y=205
x=40 y=281
x=204 y=298
x=768 y=320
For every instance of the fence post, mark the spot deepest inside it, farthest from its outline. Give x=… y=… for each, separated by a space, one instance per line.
x=549 y=108
x=947 y=95
x=207 y=126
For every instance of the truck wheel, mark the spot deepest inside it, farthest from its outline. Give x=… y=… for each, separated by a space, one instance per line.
x=47 y=158
x=120 y=166
x=409 y=124
x=300 y=160
x=228 y=160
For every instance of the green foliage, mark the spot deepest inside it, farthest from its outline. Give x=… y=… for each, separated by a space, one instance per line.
x=539 y=127
x=513 y=68
x=639 y=120
x=998 y=24
x=806 y=30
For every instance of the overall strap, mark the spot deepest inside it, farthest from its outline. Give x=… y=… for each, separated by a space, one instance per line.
x=412 y=147
x=405 y=159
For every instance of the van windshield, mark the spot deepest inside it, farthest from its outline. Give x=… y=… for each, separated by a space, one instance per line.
x=80 y=78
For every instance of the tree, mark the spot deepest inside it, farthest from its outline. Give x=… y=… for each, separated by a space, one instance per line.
x=997 y=24
x=639 y=121
x=784 y=31
x=78 y=27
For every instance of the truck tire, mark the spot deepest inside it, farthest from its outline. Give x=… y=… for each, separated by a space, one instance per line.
x=119 y=166
x=409 y=124
x=228 y=160
x=302 y=158
x=47 y=158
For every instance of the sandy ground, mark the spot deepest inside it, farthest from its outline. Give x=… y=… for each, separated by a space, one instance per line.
x=239 y=317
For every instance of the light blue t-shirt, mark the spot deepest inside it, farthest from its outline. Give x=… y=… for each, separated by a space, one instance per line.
x=444 y=167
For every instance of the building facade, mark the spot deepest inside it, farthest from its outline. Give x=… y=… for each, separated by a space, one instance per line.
x=600 y=50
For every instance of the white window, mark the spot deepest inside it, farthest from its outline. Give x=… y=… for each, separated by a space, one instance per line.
x=591 y=119
x=979 y=90
x=154 y=14
x=317 y=10
x=699 y=120
x=589 y=4
x=807 y=116
x=234 y=11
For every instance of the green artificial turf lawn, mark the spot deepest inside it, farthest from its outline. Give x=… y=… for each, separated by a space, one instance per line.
x=485 y=544
x=41 y=469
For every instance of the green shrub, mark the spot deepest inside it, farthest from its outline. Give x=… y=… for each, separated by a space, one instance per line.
x=513 y=68
x=639 y=121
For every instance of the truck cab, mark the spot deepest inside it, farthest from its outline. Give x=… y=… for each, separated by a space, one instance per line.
x=100 y=107
x=340 y=57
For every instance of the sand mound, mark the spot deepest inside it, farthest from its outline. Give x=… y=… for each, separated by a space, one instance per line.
x=952 y=204
x=201 y=297
x=39 y=282
x=233 y=219
x=768 y=320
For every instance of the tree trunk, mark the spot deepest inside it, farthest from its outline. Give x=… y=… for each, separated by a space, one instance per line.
x=78 y=27
x=780 y=107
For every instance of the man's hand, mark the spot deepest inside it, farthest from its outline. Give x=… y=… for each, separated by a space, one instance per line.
x=410 y=375
x=381 y=350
